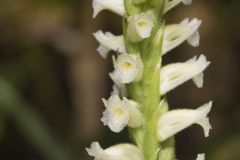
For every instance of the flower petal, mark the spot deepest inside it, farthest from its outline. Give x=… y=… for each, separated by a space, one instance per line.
x=129 y=67
x=108 y=42
x=135 y=116
x=119 y=88
x=115 y=116
x=176 y=34
x=201 y=156
x=116 y=6
x=175 y=74
x=120 y=113
x=194 y=39
x=140 y=26
x=174 y=121
x=123 y=151
x=172 y=3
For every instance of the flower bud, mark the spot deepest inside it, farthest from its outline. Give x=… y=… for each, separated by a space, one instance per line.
x=174 y=121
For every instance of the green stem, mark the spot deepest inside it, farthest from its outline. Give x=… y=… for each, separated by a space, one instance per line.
x=146 y=91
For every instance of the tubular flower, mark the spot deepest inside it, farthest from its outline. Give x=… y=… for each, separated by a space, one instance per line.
x=116 y=6
x=129 y=67
x=175 y=74
x=120 y=113
x=140 y=26
x=174 y=121
x=201 y=156
x=109 y=42
x=176 y=34
x=117 y=152
x=172 y=3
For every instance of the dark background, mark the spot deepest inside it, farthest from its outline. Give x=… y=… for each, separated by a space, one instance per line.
x=52 y=79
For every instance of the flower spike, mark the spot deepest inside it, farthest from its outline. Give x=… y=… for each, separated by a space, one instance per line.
x=175 y=74
x=108 y=42
x=116 y=6
x=174 y=121
x=117 y=152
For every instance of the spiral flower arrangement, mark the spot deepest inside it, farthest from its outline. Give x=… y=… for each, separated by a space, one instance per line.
x=138 y=98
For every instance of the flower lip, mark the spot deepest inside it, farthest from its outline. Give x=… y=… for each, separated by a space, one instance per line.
x=128 y=67
x=120 y=113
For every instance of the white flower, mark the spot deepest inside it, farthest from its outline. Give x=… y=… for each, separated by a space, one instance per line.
x=116 y=6
x=129 y=67
x=175 y=74
x=140 y=26
x=174 y=121
x=120 y=113
x=123 y=151
x=108 y=42
x=119 y=88
x=176 y=34
x=172 y=3
x=201 y=156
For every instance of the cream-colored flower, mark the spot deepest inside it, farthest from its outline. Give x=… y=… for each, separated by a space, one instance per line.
x=128 y=67
x=120 y=113
x=109 y=42
x=169 y=4
x=119 y=88
x=116 y=6
x=201 y=156
x=175 y=74
x=174 y=121
x=123 y=151
x=140 y=26
x=176 y=34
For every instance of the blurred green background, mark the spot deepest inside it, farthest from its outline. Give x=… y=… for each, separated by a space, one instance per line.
x=52 y=79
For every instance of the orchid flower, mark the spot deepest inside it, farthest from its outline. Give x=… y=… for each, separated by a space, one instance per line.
x=174 y=121
x=117 y=152
x=120 y=113
x=129 y=67
x=109 y=42
x=175 y=74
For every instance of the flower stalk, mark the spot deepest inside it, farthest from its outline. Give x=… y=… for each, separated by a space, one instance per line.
x=138 y=99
